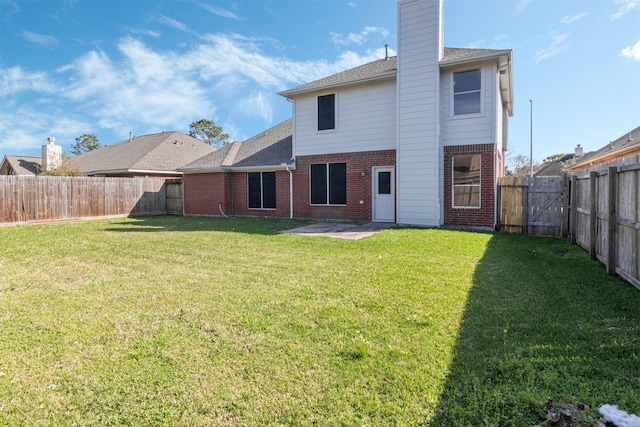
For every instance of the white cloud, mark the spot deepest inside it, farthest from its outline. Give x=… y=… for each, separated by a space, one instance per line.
x=521 y=6
x=256 y=105
x=495 y=43
x=558 y=45
x=220 y=11
x=632 y=52
x=145 y=89
x=40 y=39
x=27 y=129
x=625 y=7
x=573 y=18
x=15 y=79
x=172 y=23
x=358 y=38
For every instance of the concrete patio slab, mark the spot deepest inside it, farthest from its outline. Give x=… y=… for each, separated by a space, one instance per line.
x=341 y=230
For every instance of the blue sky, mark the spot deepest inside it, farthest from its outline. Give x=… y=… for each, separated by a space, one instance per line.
x=142 y=66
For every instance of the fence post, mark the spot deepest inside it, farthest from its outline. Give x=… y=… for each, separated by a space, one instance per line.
x=525 y=205
x=574 y=210
x=498 y=206
x=564 y=224
x=593 y=219
x=613 y=221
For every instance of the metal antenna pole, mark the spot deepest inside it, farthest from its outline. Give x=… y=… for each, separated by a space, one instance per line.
x=531 y=140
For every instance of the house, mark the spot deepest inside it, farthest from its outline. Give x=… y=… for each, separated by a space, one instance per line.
x=413 y=139
x=248 y=178
x=20 y=165
x=30 y=165
x=556 y=167
x=625 y=149
x=158 y=154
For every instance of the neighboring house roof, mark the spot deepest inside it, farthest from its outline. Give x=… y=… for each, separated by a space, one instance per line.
x=625 y=146
x=387 y=68
x=556 y=167
x=159 y=153
x=271 y=149
x=20 y=165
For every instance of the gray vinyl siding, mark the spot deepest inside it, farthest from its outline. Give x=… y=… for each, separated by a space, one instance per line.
x=419 y=51
x=365 y=121
x=472 y=129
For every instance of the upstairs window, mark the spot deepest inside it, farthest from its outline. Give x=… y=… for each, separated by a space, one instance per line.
x=329 y=184
x=261 y=189
x=466 y=181
x=327 y=112
x=466 y=92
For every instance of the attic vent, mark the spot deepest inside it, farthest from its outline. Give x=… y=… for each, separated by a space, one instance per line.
x=176 y=142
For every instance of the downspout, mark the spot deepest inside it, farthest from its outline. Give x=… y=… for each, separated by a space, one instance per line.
x=290 y=191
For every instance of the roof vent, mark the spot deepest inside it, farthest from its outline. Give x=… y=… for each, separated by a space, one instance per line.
x=386 y=52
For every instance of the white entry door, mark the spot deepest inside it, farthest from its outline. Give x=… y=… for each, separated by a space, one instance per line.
x=384 y=209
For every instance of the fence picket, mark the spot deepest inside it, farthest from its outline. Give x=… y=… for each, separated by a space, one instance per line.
x=43 y=198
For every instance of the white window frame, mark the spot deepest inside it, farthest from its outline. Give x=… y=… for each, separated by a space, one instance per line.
x=335 y=112
x=328 y=180
x=453 y=94
x=454 y=185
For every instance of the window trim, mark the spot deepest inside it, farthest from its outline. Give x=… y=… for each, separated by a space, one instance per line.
x=335 y=113
x=454 y=185
x=262 y=208
x=328 y=182
x=453 y=94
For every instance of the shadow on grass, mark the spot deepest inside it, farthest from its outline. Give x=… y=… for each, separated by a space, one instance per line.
x=541 y=320
x=155 y=224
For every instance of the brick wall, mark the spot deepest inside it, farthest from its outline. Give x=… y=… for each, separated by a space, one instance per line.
x=358 y=186
x=475 y=217
x=240 y=197
x=203 y=192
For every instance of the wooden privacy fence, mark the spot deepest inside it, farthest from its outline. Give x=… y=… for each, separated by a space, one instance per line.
x=606 y=217
x=41 y=198
x=531 y=205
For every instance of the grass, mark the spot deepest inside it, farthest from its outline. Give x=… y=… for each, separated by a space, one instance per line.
x=199 y=321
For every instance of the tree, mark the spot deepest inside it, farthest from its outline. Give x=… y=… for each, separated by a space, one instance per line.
x=553 y=157
x=66 y=168
x=84 y=143
x=519 y=165
x=208 y=131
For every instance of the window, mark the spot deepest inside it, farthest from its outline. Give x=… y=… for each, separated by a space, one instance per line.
x=327 y=112
x=261 y=187
x=466 y=92
x=329 y=184
x=384 y=182
x=466 y=180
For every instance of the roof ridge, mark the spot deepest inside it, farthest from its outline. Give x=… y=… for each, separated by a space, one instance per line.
x=231 y=155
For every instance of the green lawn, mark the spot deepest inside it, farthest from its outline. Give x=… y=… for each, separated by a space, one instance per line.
x=201 y=321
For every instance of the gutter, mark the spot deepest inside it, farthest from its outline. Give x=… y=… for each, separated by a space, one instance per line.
x=271 y=168
x=290 y=190
x=121 y=171
x=295 y=92
x=605 y=158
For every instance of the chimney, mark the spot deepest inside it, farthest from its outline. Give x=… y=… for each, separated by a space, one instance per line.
x=51 y=155
x=578 y=151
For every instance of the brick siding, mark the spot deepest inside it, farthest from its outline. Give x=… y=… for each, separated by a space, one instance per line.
x=484 y=216
x=359 y=187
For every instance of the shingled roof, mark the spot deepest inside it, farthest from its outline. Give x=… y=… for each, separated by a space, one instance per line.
x=627 y=145
x=20 y=165
x=387 y=68
x=161 y=153
x=270 y=149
